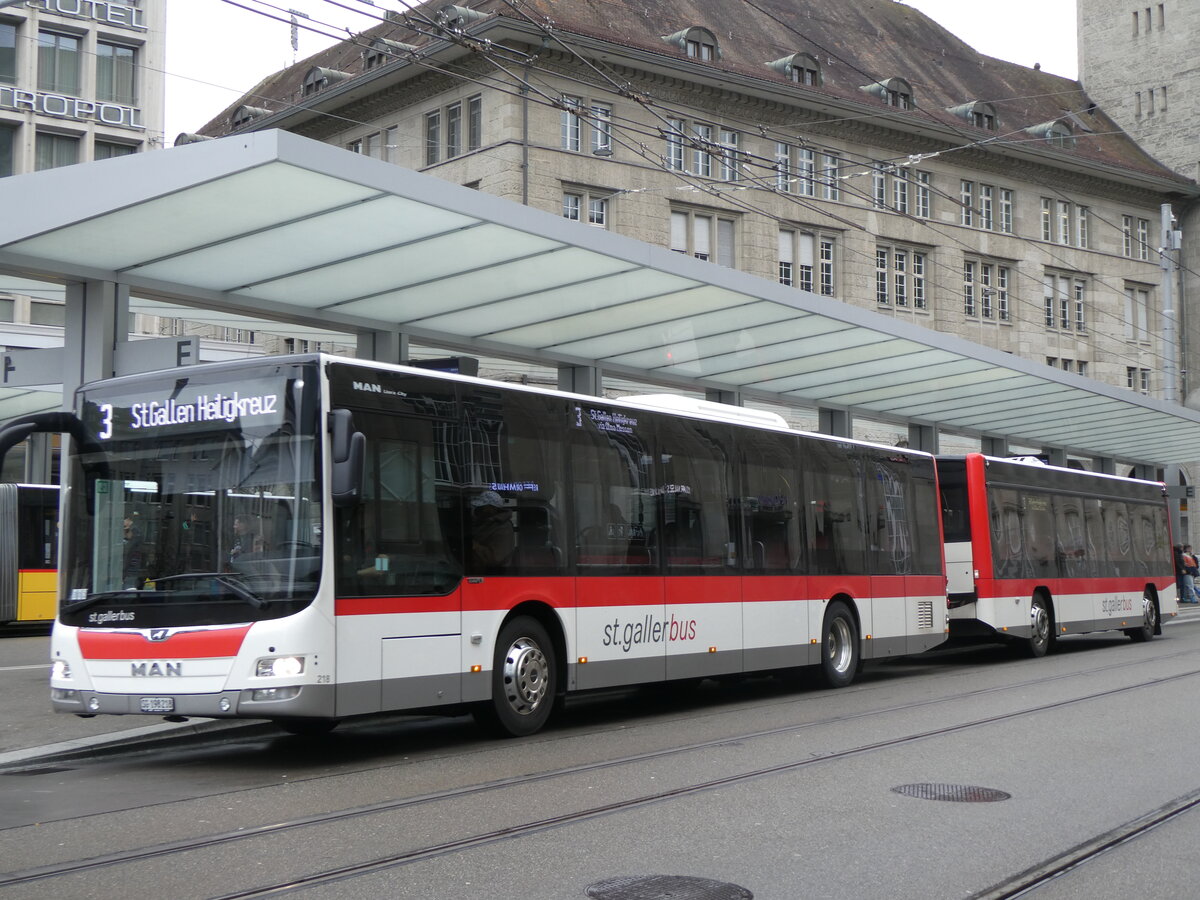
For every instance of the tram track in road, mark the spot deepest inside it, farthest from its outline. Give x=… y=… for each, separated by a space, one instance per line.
x=1028 y=881
x=482 y=839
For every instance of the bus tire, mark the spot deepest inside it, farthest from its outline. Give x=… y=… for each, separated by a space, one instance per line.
x=840 y=650
x=1041 y=624
x=524 y=680
x=1149 y=626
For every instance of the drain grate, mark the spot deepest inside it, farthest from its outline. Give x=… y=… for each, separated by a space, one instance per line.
x=955 y=793
x=666 y=887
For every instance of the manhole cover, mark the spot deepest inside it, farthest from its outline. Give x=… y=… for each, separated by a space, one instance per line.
x=955 y=793
x=666 y=887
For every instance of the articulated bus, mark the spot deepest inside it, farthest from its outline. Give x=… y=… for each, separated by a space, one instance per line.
x=28 y=554
x=303 y=539
x=1034 y=552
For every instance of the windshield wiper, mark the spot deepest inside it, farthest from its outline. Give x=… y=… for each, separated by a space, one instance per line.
x=222 y=578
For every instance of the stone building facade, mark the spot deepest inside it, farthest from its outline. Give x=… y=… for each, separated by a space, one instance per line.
x=1139 y=62
x=857 y=150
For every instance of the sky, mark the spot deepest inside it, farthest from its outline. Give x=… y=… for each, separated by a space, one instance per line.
x=252 y=45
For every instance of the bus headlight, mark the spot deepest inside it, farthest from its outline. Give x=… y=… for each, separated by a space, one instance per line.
x=279 y=667
x=60 y=669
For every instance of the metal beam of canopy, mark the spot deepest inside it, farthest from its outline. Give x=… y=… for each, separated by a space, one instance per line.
x=278 y=227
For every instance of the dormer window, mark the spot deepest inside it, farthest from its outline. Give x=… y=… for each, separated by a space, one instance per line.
x=244 y=115
x=383 y=51
x=980 y=114
x=319 y=78
x=801 y=68
x=1057 y=133
x=698 y=43
x=894 y=92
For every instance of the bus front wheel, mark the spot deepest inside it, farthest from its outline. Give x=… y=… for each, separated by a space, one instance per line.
x=524 y=680
x=839 y=646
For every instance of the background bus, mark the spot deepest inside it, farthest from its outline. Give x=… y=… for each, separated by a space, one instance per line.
x=1035 y=551
x=28 y=554
x=319 y=538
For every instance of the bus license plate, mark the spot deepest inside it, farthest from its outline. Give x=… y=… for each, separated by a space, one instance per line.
x=158 y=704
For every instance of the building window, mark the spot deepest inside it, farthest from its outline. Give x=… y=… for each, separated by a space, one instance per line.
x=1006 y=211
x=700 y=49
x=966 y=199
x=900 y=277
x=453 y=130
x=969 y=275
x=1065 y=300
x=796 y=169
x=108 y=150
x=701 y=158
x=115 y=70
x=8 y=138
x=731 y=159
x=924 y=194
x=569 y=123
x=703 y=236
x=894 y=187
x=8 y=53
x=1065 y=223
x=831 y=181
x=798 y=251
x=601 y=128
x=433 y=137
x=806 y=171
x=1137 y=314
x=675 y=145
x=1137 y=379
x=58 y=63
x=54 y=150
x=474 y=122
x=985 y=290
x=575 y=205
x=900 y=191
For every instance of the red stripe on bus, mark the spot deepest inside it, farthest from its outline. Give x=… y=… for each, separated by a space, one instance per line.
x=183 y=645
x=502 y=593
x=1008 y=587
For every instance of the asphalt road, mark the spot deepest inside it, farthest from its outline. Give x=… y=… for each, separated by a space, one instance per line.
x=783 y=791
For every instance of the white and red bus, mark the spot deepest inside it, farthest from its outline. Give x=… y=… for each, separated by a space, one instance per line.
x=304 y=539
x=1035 y=551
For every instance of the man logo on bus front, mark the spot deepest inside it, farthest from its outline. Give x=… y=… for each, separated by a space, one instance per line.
x=159 y=634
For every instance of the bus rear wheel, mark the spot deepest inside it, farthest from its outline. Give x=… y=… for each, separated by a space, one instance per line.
x=524 y=680
x=840 y=649
x=1041 y=633
x=1149 y=625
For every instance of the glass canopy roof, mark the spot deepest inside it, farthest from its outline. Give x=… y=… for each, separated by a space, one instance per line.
x=278 y=227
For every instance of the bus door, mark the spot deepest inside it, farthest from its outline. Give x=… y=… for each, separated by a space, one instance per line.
x=775 y=590
x=399 y=597
x=703 y=623
x=621 y=625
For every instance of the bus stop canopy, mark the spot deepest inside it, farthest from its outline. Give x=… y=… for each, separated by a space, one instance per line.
x=275 y=226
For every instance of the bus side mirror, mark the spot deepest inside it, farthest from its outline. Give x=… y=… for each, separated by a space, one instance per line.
x=348 y=456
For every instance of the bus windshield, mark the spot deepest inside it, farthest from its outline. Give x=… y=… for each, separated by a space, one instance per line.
x=199 y=502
